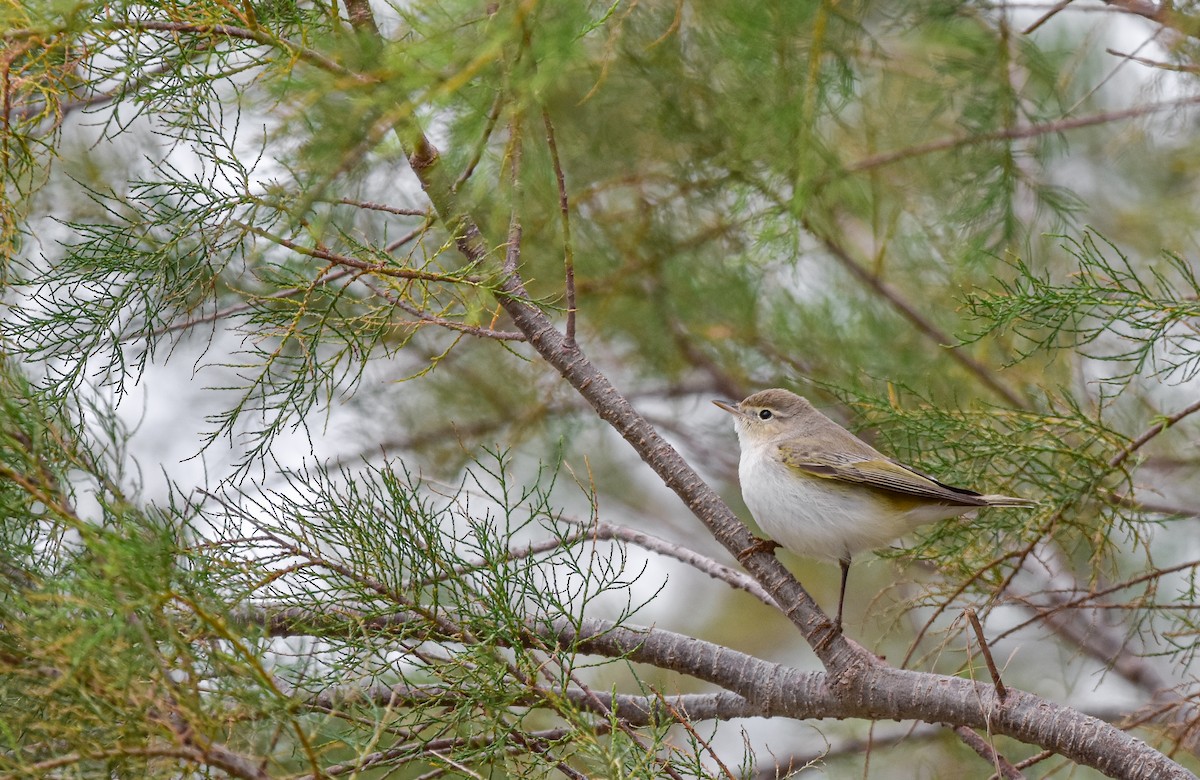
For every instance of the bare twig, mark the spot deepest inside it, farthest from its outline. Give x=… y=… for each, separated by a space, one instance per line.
x=1025 y=763
x=492 y=118
x=1014 y=133
x=1081 y=626
x=1059 y=6
x=919 y=320
x=792 y=763
x=1062 y=603
x=988 y=753
x=973 y=618
x=712 y=568
x=564 y=210
x=1151 y=432
x=371 y=206
x=1157 y=64
x=1152 y=507
x=392 y=246
x=686 y=723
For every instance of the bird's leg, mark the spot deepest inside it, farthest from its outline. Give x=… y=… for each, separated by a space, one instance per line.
x=845 y=564
x=757 y=546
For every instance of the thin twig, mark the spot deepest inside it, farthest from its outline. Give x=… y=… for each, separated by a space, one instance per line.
x=352 y=262
x=220 y=314
x=490 y=126
x=564 y=209
x=701 y=563
x=919 y=320
x=1014 y=133
x=428 y=319
x=1164 y=13
x=686 y=723
x=1151 y=507
x=797 y=762
x=1036 y=758
x=1151 y=432
x=1046 y=16
x=392 y=246
x=372 y=206
x=461 y=767
x=1044 y=611
x=946 y=602
x=988 y=753
x=311 y=56
x=1171 y=66
x=1001 y=691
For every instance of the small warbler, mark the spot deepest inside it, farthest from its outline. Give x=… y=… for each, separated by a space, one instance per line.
x=820 y=491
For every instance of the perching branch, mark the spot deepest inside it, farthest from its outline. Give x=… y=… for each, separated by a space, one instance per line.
x=775 y=690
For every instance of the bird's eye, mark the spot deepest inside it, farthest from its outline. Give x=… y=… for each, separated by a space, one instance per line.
x=765 y=414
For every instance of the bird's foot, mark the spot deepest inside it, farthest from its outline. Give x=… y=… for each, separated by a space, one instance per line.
x=758 y=546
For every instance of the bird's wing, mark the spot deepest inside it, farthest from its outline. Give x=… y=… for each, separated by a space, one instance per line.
x=877 y=472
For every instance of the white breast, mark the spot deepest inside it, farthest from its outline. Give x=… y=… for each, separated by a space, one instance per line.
x=821 y=518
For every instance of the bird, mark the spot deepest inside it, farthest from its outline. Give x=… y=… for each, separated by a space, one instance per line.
x=819 y=491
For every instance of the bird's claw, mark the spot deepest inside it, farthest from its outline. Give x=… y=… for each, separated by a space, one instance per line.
x=756 y=547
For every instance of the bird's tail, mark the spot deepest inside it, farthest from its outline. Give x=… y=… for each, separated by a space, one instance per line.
x=996 y=500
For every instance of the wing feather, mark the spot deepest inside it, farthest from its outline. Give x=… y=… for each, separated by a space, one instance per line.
x=880 y=473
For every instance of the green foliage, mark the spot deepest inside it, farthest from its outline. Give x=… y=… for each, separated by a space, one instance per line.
x=190 y=619
x=1060 y=452
x=1137 y=318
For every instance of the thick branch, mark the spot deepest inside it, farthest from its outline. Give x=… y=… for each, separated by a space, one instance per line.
x=635 y=710
x=876 y=692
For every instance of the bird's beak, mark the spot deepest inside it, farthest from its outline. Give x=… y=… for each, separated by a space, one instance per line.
x=729 y=407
